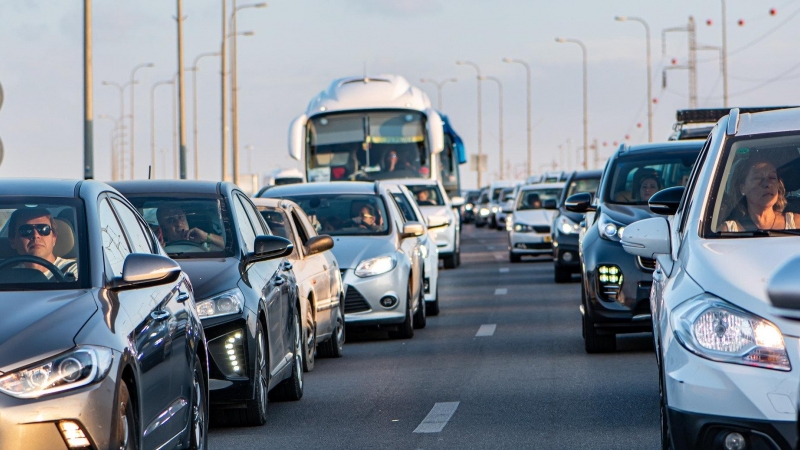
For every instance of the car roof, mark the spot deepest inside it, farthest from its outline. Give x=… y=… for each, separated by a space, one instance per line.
x=538 y=186
x=39 y=187
x=658 y=147
x=171 y=186
x=769 y=122
x=276 y=203
x=585 y=174
x=335 y=187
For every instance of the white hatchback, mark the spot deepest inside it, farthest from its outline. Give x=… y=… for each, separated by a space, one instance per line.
x=437 y=207
x=725 y=357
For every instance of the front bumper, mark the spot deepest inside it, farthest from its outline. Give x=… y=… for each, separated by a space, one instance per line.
x=445 y=240
x=362 y=298
x=226 y=387
x=529 y=243
x=705 y=432
x=32 y=424
x=563 y=245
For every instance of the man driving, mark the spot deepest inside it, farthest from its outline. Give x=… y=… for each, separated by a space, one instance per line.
x=32 y=232
x=175 y=228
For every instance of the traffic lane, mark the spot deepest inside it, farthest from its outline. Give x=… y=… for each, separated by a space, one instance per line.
x=529 y=383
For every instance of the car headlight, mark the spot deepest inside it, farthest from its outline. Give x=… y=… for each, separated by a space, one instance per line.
x=484 y=211
x=468 y=207
x=510 y=222
x=717 y=330
x=80 y=366
x=523 y=227
x=566 y=226
x=609 y=229
x=375 y=266
x=228 y=302
x=495 y=209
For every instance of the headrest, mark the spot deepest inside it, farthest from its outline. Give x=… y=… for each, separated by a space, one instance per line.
x=65 y=242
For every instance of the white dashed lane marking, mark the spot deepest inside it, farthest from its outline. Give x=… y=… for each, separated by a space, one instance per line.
x=435 y=421
x=505 y=270
x=486 y=330
x=501 y=291
x=499 y=257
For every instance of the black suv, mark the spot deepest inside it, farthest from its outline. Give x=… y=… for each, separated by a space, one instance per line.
x=615 y=286
x=566 y=225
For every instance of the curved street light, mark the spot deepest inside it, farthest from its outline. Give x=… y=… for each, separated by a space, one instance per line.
x=480 y=120
x=439 y=86
x=133 y=114
x=528 y=80
x=649 y=73
x=585 y=99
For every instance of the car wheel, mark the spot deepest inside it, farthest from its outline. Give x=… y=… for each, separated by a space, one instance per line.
x=334 y=347
x=451 y=261
x=309 y=339
x=432 y=308
x=199 y=429
x=420 y=318
x=563 y=275
x=126 y=436
x=291 y=389
x=255 y=411
x=494 y=223
x=593 y=342
x=514 y=258
x=406 y=330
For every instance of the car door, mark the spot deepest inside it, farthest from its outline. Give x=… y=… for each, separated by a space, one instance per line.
x=151 y=310
x=409 y=246
x=318 y=272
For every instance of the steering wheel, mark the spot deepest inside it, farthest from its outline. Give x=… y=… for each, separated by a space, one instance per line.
x=57 y=273
x=184 y=243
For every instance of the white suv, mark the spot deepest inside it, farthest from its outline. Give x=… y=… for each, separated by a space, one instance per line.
x=725 y=357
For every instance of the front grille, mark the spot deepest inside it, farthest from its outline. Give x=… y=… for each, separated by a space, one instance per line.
x=536 y=246
x=647 y=263
x=354 y=302
x=541 y=229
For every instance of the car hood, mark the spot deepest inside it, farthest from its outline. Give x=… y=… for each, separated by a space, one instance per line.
x=429 y=211
x=534 y=216
x=211 y=276
x=737 y=271
x=351 y=250
x=41 y=324
x=627 y=214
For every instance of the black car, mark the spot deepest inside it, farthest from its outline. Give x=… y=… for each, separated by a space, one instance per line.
x=566 y=225
x=615 y=285
x=470 y=205
x=483 y=208
x=100 y=340
x=247 y=296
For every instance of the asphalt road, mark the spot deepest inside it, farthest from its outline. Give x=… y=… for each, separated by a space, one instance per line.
x=523 y=382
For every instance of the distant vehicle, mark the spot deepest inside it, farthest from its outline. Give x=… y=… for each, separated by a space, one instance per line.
x=247 y=297
x=377 y=250
x=100 y=339
x=615 y=287
x=566 y=225
x=435 y=205
x=495 y=189
x=697 y=123
x=507 y=197
x=548 y=177
x=483 y=208
x=470 y=204
x=529 y=223
x=318 y=279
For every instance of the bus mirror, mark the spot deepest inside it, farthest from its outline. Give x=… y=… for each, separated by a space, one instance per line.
x=297 y=136
x=435 y=131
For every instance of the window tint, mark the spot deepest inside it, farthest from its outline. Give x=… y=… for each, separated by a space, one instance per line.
x=248 y=233
x=254 y=217
x=299 y=226
x=683 y=208
x=115 y=247
x=345 y=214
x=405 y=207
x=278 y=223
x=139 y=240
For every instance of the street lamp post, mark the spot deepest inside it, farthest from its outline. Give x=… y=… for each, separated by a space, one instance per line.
x=439 y=86
x=153 y=124
x=88 y=94
x=113 y=147
x=649 y=73
x=500 y=93
x=133 y=115
x=194 y=70
x=224 y=99
x=585 y=99
x=121 y=88
x=235 y=88
x=528 y=80
x=724 y=55
x=480 y=120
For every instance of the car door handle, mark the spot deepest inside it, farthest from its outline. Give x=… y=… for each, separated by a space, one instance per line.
x=279 y=281
x=159 y=314
x=286 y=265
x=183 y=296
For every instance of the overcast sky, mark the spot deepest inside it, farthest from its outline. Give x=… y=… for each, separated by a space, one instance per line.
x=299 y=46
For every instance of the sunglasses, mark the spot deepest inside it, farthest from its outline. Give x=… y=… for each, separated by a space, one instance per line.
x=368 y=216
x=27 y=229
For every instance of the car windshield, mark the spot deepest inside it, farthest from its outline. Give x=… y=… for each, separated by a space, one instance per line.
x=496 y=194
x=534 y=198
x=472 y=197
x=41 y=240
x=585 y=185
x=427 y=195
x=634 y=179
x=757 y=188
x=188 y=227
x=345 y=214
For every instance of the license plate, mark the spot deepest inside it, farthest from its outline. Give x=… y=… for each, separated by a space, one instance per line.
x=548 y=239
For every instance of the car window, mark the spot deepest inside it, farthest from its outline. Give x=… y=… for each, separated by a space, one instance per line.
x=534 y=198
x=255 y=217
x=584 y=185
x=246 y=228
x=140 y=242
x=405 y=207
x=299 y=227
x=277 y=222
x=427 y=195
x=757 y=186
x=345 y=214
x=115 y=246
x=688 y=197
x=635 y=178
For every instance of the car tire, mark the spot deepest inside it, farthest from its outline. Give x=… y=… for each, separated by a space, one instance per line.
x=420 y=317
x=125 y=437
x=255 y=411
x=291 y=389
x=514 y=258
x=432 y=308
x=480 y=224
x=406 y=330
x=562 y=275
x=593 y=342
x=198 y=438
x=309 y=339
x=494 y=222
x=451 y=261
x=334 y=347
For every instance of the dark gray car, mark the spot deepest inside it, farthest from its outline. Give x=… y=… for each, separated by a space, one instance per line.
x=102 y=347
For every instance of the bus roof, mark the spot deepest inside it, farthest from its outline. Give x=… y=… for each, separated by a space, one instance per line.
x=359 y=93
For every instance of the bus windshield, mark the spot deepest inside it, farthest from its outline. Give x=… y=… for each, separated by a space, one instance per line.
x=367 y=145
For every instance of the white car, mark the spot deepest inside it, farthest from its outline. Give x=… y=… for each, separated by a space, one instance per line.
x=437 y=206
x=529 y=223
x=725 y=357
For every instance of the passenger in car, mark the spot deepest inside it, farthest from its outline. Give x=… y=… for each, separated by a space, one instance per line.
x=175 y=227
x=533 y=201
x=649 y=184
x=758 y=198
x=32 y=232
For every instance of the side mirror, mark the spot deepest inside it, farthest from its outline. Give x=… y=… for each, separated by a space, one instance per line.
x=141 y=269
x=412 y=229
x=579 y=203
x=435 y=130
x=270 y=247
x=508 y=198
x=783 y=289
x=550 y=203
x=457 y=202
x=318 y=244
x=297 y=134
x=647 y=238
x=665 y=202
x=435 y=222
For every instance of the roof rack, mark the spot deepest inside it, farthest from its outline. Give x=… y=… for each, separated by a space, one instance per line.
x=377 y=187
x=712 y=115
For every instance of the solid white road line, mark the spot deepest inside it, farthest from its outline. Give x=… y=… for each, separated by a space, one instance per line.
x=435 y=421
x=505 y=270
x=500 y=291
x=486 y=330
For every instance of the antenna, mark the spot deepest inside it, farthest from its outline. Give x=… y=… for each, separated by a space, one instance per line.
x=365 y=69
x=150 y=172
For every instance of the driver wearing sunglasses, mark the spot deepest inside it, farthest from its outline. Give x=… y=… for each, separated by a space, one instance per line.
x=31 y=232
